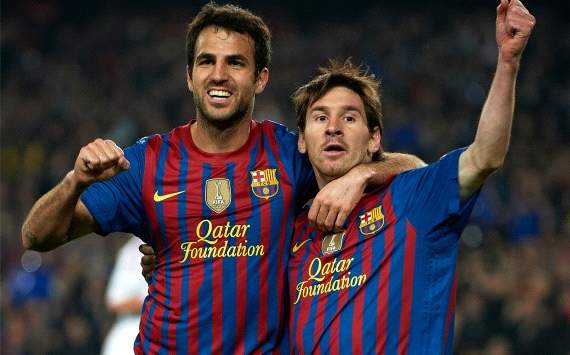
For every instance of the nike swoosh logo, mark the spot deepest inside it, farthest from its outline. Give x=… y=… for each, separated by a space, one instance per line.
x=296 y=247
x=160 y=198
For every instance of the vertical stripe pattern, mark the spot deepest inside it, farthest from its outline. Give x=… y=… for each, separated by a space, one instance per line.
x=371 y=305
x=220 y=277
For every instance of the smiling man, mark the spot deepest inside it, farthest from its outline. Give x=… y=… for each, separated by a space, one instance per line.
x=387 y=283
x=215 y=197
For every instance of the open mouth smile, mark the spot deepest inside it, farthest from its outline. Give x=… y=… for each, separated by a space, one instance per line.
x=219 y=93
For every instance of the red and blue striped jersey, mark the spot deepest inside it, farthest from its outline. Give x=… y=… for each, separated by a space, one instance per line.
x=221 y=226
x=387 y=284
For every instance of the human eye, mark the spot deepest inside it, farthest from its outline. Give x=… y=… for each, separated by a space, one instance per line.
x=205 y=61
x=236 y=62
x=320 y=117
x=350 y=118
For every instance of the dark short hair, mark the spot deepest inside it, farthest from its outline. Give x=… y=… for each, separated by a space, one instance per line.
x=345 y=74
x=233 y=18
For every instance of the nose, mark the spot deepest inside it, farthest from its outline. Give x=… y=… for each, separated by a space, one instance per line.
x=333 y=127
x=219 y=73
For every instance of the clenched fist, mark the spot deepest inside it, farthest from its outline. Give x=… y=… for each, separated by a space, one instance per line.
x=99 y=160
x=513 y=28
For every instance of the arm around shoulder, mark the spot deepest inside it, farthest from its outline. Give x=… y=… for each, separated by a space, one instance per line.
x=378 y=172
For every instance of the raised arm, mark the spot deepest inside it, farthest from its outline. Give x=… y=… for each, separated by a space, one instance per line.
x=487 y=152
x=336 y=200
x=59 y=216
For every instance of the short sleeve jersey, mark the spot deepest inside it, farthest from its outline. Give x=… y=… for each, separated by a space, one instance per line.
x=387 y=284
x=221 y=226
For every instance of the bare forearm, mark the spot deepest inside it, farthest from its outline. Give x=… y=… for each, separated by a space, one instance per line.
x=491 y=143
x=489 y=149
x=59 y=216
x=48 y=223
x=376 y=173
x=514 y=24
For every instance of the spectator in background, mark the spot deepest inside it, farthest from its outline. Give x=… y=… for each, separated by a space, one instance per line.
x=110 y=63
x=221 y=177
x=124 y=298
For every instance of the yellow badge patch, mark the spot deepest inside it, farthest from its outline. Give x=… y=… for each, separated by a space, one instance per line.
x=218 y=194
x=332 y=243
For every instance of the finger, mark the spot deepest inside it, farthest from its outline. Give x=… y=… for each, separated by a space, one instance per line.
x=523 y=8
x=147 y=260
x=98 y=160
x=146 y=249
x=123 y=163
x=518 y=11
x=106 y=152
x=321 y=217
x=340 y=220
x=120 y=166
x=114 y=145
x=98 y=148
x=111 y=155
x=147 y=263
x=330 y=219
x=521 y=15
x=515 y=3
x=147 y=269
x=117 y=151
x=313 y=213
x=90 y=157
x=502 y=8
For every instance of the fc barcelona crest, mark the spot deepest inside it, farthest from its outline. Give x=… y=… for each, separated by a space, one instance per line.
x=264 y=183
x=371 y=221
x=218 y=194
x=332 y=243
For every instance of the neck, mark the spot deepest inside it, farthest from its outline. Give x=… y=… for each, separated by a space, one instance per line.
x=213 y=139
x=323 y=180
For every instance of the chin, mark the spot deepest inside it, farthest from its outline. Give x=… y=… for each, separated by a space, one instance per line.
x=338 y=168
x=333 y=171
x=223 y=119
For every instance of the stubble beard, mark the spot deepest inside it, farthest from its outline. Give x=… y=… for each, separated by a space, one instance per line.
x=221 y=123
x=329 y=171
x=334 y=170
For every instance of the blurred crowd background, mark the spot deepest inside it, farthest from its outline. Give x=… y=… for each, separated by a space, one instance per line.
x=72 y=71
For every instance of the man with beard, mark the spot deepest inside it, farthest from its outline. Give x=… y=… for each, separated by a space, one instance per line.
x=215 y=197
x=387 y=283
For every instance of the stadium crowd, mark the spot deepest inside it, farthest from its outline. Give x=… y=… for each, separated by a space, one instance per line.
x=69 y=78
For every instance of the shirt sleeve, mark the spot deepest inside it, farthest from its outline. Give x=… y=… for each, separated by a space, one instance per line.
x=116 y=204
x=431 y=194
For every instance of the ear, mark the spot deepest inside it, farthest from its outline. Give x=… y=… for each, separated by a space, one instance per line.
x=189 y=81
x=301 y=146
x=261 y=81
x=374 y=141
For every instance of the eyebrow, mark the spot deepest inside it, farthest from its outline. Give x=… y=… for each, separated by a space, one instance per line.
x=345 y=108
x=229 y=57
x=237 y=56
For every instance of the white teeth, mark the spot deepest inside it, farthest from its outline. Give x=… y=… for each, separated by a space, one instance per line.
x=219 y=93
